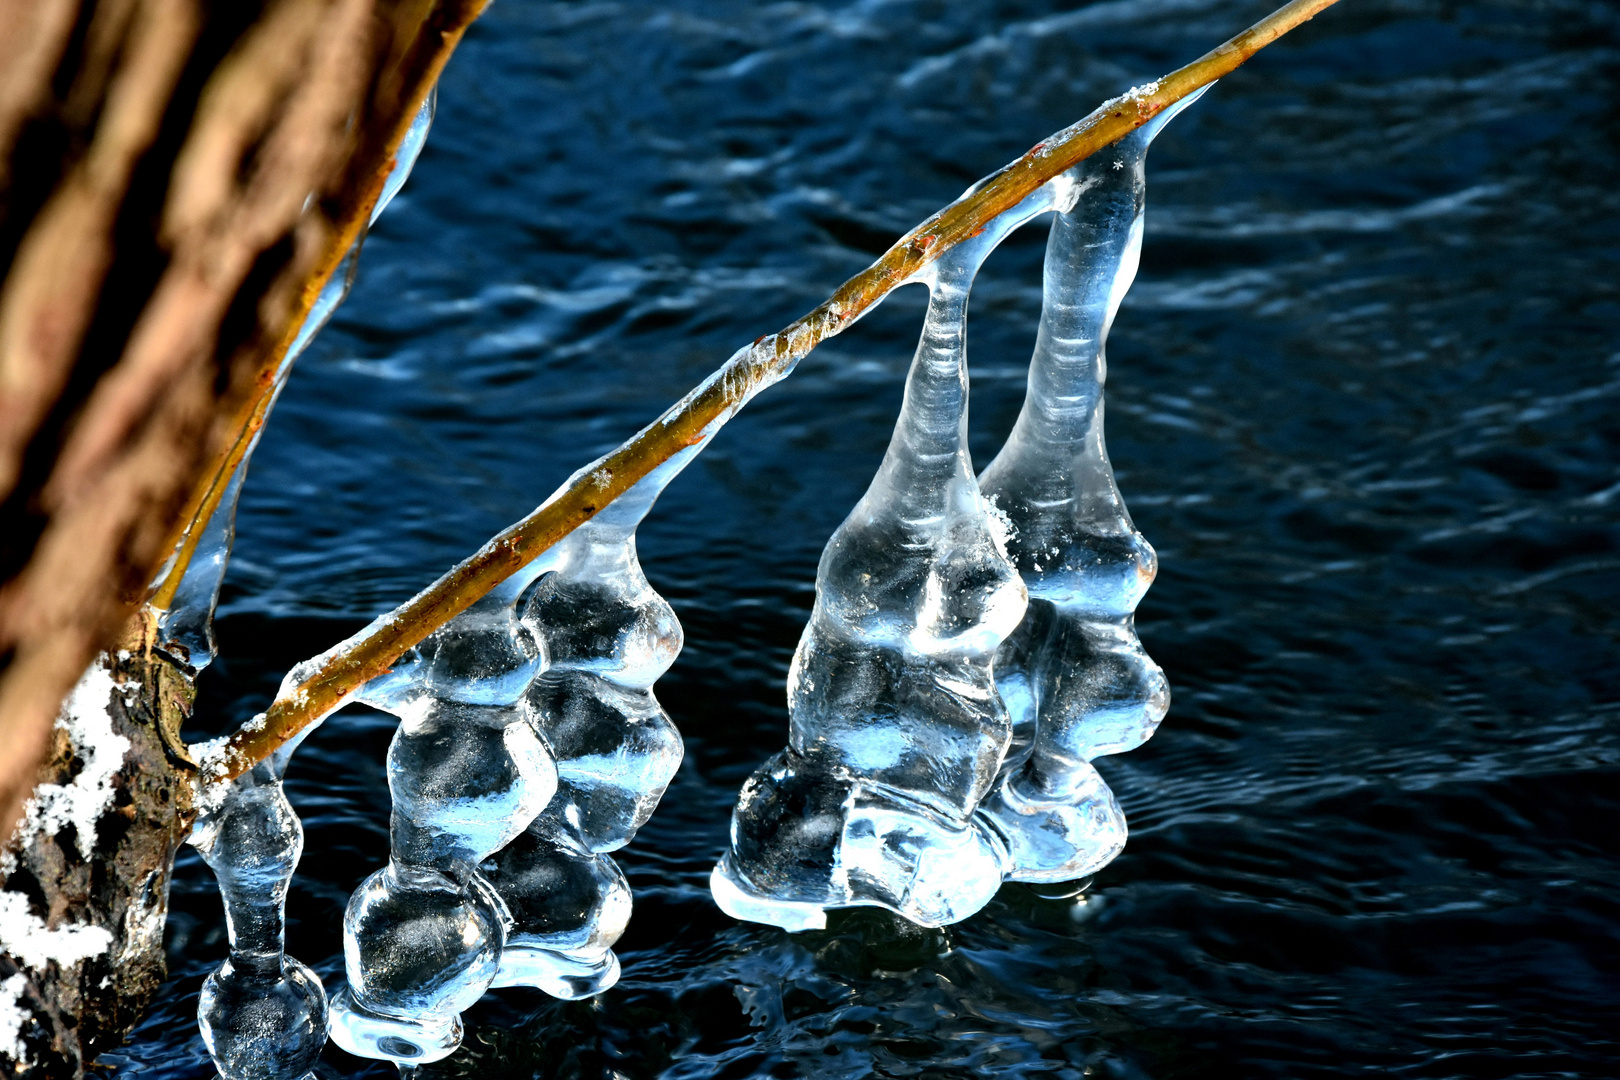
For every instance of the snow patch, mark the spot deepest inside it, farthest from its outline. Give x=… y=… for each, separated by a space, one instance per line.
x=25 y=936
x=1002 y=529
x=212 y=765
x=81 y=803
x=13 y=1017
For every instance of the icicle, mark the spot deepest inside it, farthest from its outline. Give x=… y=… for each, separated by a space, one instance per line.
x=1074 y=676
x=499 y=714
x=189 y=620
x=262 y=1014
x=422 y=937
x=608 y=637
x=896 y=731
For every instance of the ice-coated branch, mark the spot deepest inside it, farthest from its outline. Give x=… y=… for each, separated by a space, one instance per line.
x=350 y=212
x=318 y=687
x=185 y=597
x=179 y=193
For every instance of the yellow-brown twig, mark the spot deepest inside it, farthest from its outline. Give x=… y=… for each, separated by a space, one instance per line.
x=331 y=679
x=425 y=37
x=211 y=496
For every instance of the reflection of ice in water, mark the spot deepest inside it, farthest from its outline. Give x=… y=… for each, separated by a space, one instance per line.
x=530 y=745
x=914 y=779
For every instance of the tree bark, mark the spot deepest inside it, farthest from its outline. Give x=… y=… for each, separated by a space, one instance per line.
x=75 y=1009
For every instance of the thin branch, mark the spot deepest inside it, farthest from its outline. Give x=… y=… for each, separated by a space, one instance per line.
x=433 y=37
x=327 y=682
x=205 y=502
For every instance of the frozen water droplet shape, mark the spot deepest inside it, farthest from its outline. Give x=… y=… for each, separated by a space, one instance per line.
x=263 y=1014
x=608 y=637
x=1074 y=675
x=896 y=729
x=530 y=745
x=422 y=937
x=899 y=729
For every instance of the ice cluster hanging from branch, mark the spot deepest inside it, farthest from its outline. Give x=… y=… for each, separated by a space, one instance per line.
x=529 y=747
x=1074 y=677
x=262 y=1014
x=970 y=652
x=971 y=648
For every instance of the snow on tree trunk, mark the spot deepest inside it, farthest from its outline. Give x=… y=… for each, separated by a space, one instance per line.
x=86 y=875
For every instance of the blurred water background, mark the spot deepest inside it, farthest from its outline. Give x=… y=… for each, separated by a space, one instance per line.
x=1363 y=400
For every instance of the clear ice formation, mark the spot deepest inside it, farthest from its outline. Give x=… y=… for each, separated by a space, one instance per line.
x=941 y=731
x=971 y=650
x=189 y=621
x=530 y=746
x=896 y=730
x=262 y=1014
x=1075 y=679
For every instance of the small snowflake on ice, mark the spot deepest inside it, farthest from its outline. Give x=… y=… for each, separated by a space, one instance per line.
x=1119 y=165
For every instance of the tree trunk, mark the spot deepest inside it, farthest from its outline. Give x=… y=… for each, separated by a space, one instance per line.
x=100 y=843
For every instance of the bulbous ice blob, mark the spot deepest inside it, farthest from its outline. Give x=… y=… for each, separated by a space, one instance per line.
x=465 y=780
x=616 y=753
x=262 y=1014
x=264 y=1023
x=568 y=906
x=422 y=937
x=1074 y=675
x=597 y=613
x=608 y=636
x=418 y=942
x=419 y=946
x=896 y=729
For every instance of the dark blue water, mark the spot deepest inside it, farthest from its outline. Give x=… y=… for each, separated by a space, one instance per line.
x=1363 y=400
